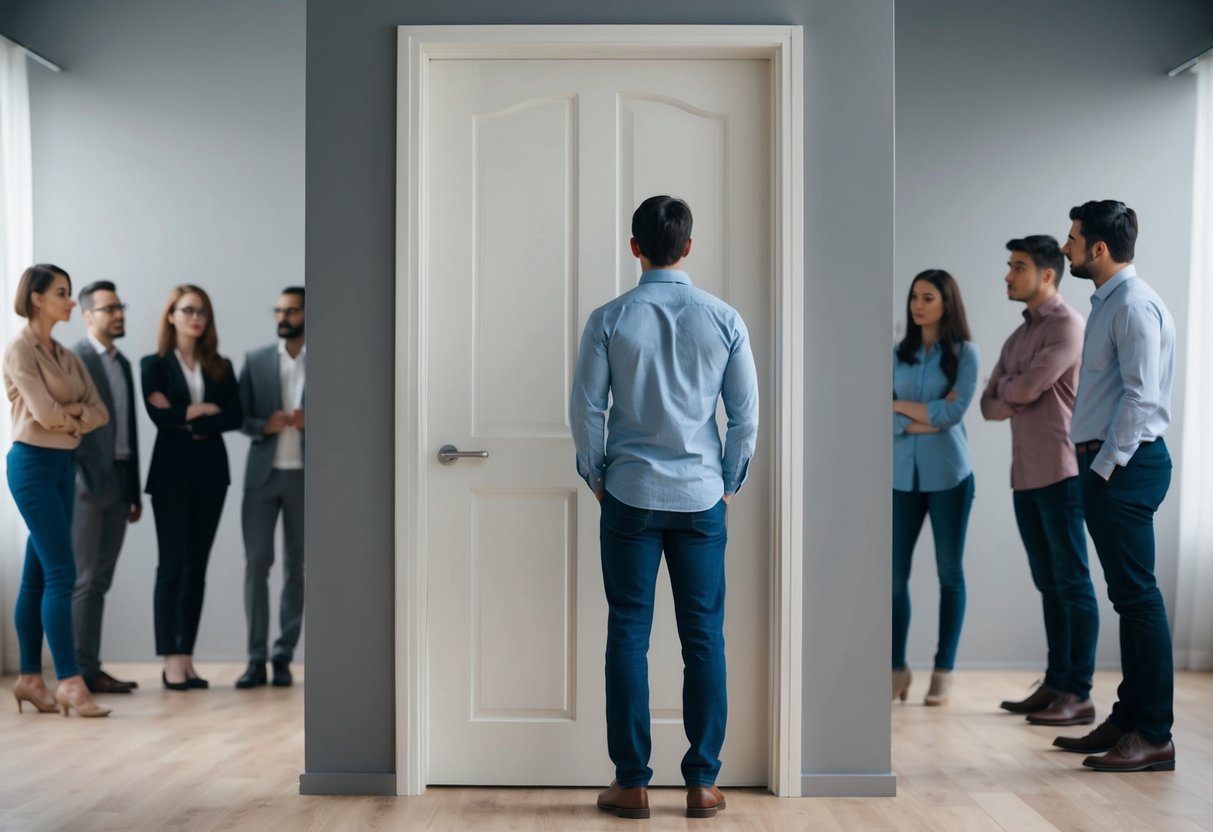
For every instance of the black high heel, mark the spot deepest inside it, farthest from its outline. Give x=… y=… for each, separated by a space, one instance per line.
x=196 y=682
x=174 y=685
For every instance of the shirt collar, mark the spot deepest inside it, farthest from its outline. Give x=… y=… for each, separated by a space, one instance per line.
x=1047 y=308
x=282 y=349
x=665 y=276
x=1114 y=283
x=99 y=347
x=28 y=333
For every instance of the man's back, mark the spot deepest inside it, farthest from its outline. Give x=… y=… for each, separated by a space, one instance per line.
x=666 y=351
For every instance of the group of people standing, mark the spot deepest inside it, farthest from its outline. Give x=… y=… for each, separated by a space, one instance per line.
x=74 y=474
x=1088 y=407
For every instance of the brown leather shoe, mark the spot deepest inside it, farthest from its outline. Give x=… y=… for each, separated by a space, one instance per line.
x=1135 y=753
x=1040 y=699
x=1066 y=709
x=1103 y=738
x=625 y=803
x=704 y=801
x=105 y=683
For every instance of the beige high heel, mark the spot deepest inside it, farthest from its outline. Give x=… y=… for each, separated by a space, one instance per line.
x=901 y=683
x=941 y=686
x=87 y=708
x=26 y=693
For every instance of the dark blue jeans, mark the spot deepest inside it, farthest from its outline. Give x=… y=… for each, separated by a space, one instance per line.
x=632 y=542
x=949 y=512
x=43 y=482
x=1050 y=524
x=1120 y=518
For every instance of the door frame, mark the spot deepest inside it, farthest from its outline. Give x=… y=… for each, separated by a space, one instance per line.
x=783 y=47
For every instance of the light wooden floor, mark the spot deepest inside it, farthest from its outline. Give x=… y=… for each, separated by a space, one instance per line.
x=229 y=760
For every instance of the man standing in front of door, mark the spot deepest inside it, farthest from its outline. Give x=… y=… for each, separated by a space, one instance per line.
x=1122 y=410
x=271 y=395
x=663 y=355
x=108 y=496
x=1033 y=385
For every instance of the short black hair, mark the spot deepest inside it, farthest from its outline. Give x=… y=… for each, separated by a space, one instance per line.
x=86 y=294
x=661 y=227
x=1109 y=222
x=37 y=278
x=296 y=290
x=1044 y=251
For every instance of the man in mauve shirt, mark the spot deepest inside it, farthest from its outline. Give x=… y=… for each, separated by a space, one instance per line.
x=1034 y=385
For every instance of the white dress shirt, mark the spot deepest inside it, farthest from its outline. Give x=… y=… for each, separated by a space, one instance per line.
x=292 y=372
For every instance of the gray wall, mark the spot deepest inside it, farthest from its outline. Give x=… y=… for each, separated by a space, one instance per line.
x=170 y=150
x=1007 y=115
x=351 y=104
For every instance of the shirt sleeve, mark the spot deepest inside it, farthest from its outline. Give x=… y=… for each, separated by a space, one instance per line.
x=1137 y=333
x=588 y=404
x=739 y=393
x=944 y=413
x=21 y=367
x=994 y=408
x=1061 y=350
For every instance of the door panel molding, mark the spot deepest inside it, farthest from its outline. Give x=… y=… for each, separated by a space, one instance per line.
x=782 y=48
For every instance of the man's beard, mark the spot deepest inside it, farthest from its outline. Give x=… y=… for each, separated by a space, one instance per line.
x=287 y=331
x=1081 y=272
x=121 y=333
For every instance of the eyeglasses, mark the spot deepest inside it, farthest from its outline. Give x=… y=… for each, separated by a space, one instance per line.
x=111 y=309
x=193 y=312
x=286 y=311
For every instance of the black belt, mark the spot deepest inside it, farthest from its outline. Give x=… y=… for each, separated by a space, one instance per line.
x=1091 y=447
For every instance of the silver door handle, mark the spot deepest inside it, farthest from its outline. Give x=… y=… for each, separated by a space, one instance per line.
x=449 y=454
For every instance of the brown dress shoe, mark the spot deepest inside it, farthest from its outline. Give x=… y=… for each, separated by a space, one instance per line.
x=1066 y=709
x=1135 y=753
x=1103 y=738
x=1040 y=699
x=704 y=801
x=625 y=803
x=105 y=683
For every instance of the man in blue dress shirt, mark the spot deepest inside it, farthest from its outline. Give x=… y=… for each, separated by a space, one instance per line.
x=1121 y=412
x=664 y=353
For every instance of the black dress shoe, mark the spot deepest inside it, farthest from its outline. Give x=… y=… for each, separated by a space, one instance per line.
x=174 y=685
x=105 y=683
x=197 y=682
x=282 y=674
x=1102 y=739
x=253 y=676
x=1040 y=699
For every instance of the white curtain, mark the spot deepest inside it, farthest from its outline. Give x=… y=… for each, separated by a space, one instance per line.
x=16 y=252
x=1194 y=604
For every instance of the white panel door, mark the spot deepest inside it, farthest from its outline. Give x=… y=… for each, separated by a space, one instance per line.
x=535 y=169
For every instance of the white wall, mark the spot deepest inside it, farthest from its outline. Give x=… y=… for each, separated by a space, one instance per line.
x=1008 y=115
x=170 y=150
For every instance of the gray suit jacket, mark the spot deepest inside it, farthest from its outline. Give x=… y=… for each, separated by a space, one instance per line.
x=95 y=472
x=260 y=396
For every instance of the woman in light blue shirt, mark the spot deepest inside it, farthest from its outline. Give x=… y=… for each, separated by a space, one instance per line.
x=934 y=379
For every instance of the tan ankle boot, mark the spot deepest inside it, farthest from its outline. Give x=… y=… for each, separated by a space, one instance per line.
x=941 y=686
x=901 y=683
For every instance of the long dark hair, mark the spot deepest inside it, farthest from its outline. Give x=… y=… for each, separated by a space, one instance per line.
x=953 y=326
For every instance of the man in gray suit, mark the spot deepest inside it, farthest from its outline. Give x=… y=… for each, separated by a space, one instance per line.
x=271 y=394
x=107 y=479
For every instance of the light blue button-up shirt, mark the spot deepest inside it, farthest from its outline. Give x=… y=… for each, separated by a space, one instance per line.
x=665 y=352
x=933 y=461
x=1128 y=365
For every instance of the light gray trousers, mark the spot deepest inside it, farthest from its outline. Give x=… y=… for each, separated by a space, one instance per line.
x=282 y=493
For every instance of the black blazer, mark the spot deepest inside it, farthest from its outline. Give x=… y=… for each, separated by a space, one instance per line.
x=188 y=452
x=95 y=455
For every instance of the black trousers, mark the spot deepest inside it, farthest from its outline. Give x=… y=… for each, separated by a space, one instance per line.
x=186 y=520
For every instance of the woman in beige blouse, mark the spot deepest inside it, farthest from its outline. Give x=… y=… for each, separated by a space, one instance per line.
x=54 y=402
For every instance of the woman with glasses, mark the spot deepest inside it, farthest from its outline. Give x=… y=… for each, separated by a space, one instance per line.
x=54 y=403
x=191 y=395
